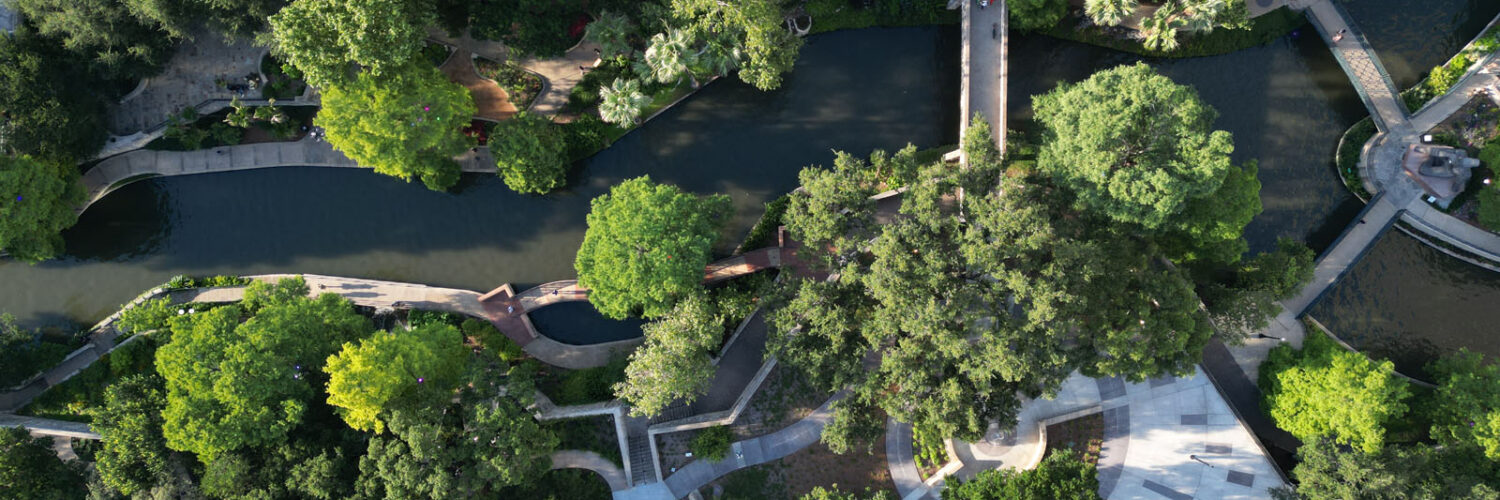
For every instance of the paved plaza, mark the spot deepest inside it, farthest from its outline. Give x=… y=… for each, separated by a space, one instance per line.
x=202 y=70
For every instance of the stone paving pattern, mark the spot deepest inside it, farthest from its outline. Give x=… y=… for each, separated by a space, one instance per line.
x=189 y=79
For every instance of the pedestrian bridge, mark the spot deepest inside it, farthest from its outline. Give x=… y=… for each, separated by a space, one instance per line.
x=983 y=85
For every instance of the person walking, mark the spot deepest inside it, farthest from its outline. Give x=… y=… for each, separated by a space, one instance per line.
x=1340 y=35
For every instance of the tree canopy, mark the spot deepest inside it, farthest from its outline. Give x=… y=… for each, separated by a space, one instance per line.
x=833 y=208
x=1139 y=149
x=941 y=320
x=110 y=33
x=676 y=360
x=1035 y=14
x=757 y=25
x=485 y=441
x=1327 y=470
x=50 y=106
x=646 y=246
x=1468 y=409
x=531 y=152
x=386 y=370
x=1324 y=390
x=243 y=375
x=1061 y=475
x=326 y=39
x=406 y=122
x=134 y=457
x=37 y=201
x=30 y=470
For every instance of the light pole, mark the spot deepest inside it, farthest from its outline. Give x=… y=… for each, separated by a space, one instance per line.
x=1264 y=336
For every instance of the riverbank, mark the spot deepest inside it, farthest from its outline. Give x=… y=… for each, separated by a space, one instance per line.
x=1263 y=30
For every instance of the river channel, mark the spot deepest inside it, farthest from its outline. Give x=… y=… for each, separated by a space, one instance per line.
x=1286 y=104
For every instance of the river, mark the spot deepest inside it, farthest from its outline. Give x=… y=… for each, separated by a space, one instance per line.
x=1286 y=103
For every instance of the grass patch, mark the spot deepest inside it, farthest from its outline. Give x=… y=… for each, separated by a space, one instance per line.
x=587 y=434
x=577 y=387
x=561 y=484
x=834 y=15
x=1263 y=30
x=75 y=399
x=1347 y=156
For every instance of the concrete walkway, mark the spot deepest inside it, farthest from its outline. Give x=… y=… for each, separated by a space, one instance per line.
x=985 y=35
x=1165 y=437
x=116 y=171
x=579 y=459
x=899 y=452
x=49 y=427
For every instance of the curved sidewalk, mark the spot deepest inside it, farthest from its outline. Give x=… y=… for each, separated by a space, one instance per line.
x=755 y=451
x=118 y=170
x=579 y=459
x=559 y=74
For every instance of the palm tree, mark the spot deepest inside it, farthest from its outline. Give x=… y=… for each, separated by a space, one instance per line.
x=669 y=56
x=1109 y=12
x=1200 y=15
x=621 y=102
x=717 y=57
x=610 y=31
x=1160 y=30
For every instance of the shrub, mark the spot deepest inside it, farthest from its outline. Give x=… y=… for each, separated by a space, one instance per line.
x=764 y=232
x=586 y=135
x=1347 y=157
x=712 y=443
x=420 y=317
x=1489 y=207
x=589 y=385
x=931 y=451
x=493 y=340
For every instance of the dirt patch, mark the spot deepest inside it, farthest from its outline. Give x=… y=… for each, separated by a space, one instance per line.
x=596 y=434
x=674 y=448
x=1084 y=435
x=797 y=474
x=784 y=397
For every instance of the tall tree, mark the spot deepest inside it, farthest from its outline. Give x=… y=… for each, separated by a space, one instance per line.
x=531 y=152
x=646 y=246
x=942 y=320
x=1060 y=475
x=669 y=55
x=407 y=123
x=387 y=370
x=37 y=201
x=759 y=28
x=833 y=209
x=50 y=107
x=134 y=456
x=119 y=43
x=326 y=39
x=676 y=362
x=1109 y=12
x=1324 y=390
x=1245 y=304
x=1468 y=403
x=611 y=30
x=239 y=377
x=30 y=470
x=1028 y=15
x=1327 y=470
x=484 y=442
x=1138 y=148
